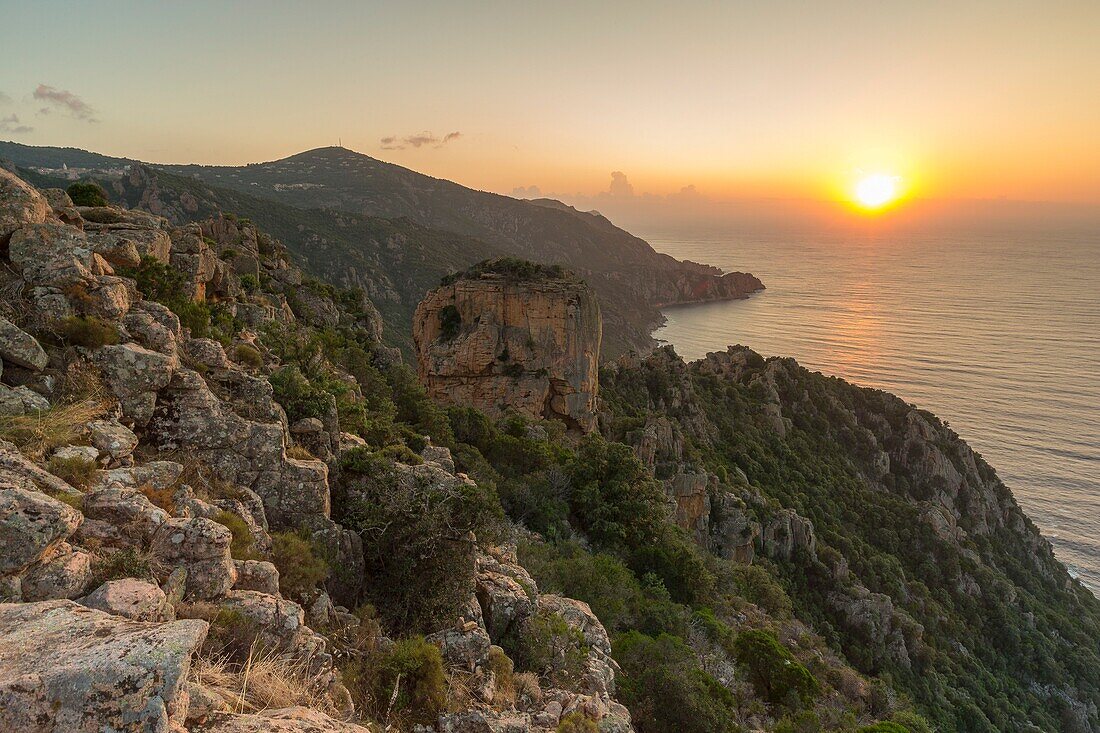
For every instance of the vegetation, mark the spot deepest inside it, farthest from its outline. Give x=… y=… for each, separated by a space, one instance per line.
x=86 y=193
x=242 y=545
x=511 y=268
x=76 y=471
x=777 y=676
x=301 y=567
x=87 y=331
x=405 y=685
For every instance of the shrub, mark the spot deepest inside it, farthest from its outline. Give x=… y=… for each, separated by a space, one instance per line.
x=87 y=331
x=300 y=568
x=450 y=322
x=775 y=674
x=884 y=727
x=299 y=453
x=249 y=356
x=551 y=648
x=911 y=722
x=76 y=471
x=119 y=564
x=298 y=396
x=164 y=497
x=249 y=282
x=168 y=286
x=503 y=675
x=405 y=685
x=241 y=547
x=418 y=554
x=666 y=689
x=577 y=722
x=86 y=193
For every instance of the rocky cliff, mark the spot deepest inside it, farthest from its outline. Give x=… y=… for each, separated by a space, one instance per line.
x=501 y=340
x=169 y=478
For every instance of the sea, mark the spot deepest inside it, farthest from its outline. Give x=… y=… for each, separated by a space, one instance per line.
x=995 y=330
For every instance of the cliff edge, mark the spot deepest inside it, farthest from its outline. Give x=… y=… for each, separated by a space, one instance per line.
x=508 y=334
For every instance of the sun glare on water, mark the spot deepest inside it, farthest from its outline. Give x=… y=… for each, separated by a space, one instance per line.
x=877 y=190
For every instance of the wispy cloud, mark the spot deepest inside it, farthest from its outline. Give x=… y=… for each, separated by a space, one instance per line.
x=419 y=140
x=11 y=124
x=64 y=100
x=4 y=98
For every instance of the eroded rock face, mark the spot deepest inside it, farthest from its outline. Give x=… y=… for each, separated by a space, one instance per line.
x=495 y=342
x=31 y=525
x=64 y=667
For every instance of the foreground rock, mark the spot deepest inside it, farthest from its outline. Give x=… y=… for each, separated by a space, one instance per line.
x=64 y=667
x=499 y=340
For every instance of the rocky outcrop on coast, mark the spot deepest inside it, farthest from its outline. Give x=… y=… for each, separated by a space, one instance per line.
x=499 y=342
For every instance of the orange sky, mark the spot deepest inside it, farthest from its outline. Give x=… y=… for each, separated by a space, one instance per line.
x=776 y=99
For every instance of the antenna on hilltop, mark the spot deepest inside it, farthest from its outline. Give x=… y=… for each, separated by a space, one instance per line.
x=341 y=142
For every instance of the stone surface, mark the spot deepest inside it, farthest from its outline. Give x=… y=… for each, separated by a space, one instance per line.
x=284 y=720
x=21 y=400
x=31 y=525
x=20 y=204
x=129 y=598
x=202 y=547
x=67 y=668
x=20 y=348
x=494 y=343
x=113 y=439
x=257 y=575
x=66 y=575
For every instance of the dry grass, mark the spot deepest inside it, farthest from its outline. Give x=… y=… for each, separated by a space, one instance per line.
x=299 y=453
x=526 y=688
x=196 y=473
x=163 y=498
x=39 y=434
x=76 y=471
x=265 y=681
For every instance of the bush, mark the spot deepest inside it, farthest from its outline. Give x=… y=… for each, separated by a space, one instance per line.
x=666 y=689
x=168 y=286
x=119 y=564
x=413 y=669
x=884 y=727
x=76 y=471
x=87 y=331
x=86 y=193
x=775 y=674
x=241 y=547
x=577 y=722
x=450 y=322
x=249 y=282
x=300 y=568
x=249 y=356
x=418 y=553
x=298 y=396
x=549 y=647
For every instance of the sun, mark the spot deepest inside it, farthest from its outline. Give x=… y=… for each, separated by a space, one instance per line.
x=877 y=190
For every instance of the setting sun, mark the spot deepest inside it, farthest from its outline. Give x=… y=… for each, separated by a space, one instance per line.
x=878 y=190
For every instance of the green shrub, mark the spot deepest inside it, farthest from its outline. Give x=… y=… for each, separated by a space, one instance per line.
x=249 y=282
x=577 y=722
x=775 y=674
x=119 y=564
x=298 y=396
x=413 y=669
x=249 y=356
x=168 y=286
x=300 y=567
x=666 y=689
x=450 y=322
x=911 y=722
x=549 y=647
x=418 y=554
x=241 y=547
x=75 y=471
x=884 y=727
x=87 y=331
x=87 y=193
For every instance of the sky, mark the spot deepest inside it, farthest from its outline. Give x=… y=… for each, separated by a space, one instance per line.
x=718 y=101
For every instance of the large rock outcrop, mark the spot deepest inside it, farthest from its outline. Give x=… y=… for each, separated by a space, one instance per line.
x=498 y=340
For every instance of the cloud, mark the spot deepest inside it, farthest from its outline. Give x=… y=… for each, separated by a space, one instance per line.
x=419 y=140
x=620 y=186
x=64 y=100
x=4 y=98
x=687 y=193
x=11 y=124
x=527 y=192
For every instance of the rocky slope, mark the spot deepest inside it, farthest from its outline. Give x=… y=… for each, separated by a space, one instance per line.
x=151 y=479
x=501 y=339
x=339 y=195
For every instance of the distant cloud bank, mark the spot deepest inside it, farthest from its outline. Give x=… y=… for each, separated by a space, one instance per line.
x=65 y=101
x=11 y=124
x=419 y=140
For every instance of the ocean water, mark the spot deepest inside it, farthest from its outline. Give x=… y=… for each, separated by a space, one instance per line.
x=996 y=332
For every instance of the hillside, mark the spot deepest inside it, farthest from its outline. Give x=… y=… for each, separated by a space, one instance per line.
x=631 y=280
x=220 y=492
